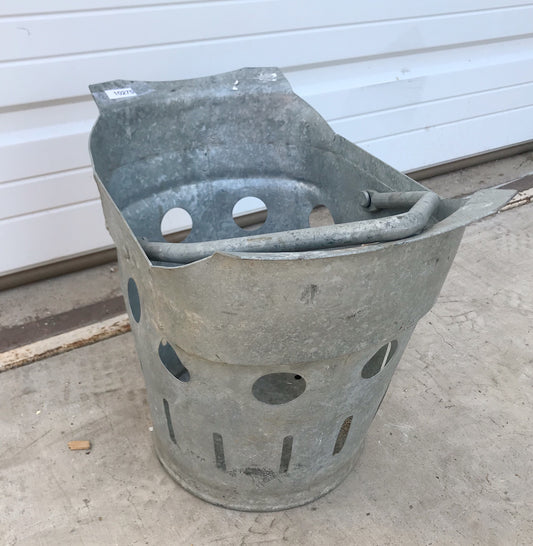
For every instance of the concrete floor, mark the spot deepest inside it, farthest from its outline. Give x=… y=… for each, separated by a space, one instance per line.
x=485 y=175
x=448 y=459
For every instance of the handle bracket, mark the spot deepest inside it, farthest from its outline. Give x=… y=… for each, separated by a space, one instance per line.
x=421 y=206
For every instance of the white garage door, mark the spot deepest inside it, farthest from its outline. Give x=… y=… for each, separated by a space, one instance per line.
x=416 y=83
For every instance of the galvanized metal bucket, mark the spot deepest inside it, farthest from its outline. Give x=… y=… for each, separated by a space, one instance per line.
x=266 y=355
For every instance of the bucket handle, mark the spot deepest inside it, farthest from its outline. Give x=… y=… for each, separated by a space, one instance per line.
x=421 y=206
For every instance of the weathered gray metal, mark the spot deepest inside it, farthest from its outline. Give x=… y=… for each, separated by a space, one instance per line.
x=389 y=228
x=263 y=369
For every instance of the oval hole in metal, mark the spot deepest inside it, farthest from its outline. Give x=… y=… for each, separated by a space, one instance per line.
x=169 y=421
x=278 y=388
x=134 y=300
x=218 y=443
x=320 y=216
x=172 y=363
x=343 y=434
x=176 y=225
x=286 y=453
x=249 y=213
x=380 y=359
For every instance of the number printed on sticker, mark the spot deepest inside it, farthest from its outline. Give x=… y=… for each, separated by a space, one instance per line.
x=120 y=93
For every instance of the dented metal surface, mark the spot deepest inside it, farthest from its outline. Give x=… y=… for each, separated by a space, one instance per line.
x=288 y=354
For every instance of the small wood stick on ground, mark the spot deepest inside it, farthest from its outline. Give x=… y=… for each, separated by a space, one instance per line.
x=77 y=445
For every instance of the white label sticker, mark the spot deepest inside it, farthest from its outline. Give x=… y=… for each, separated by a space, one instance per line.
x=120 y=93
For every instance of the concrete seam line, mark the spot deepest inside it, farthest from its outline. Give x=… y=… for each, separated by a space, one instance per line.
x=64 y=342
x=43 y=327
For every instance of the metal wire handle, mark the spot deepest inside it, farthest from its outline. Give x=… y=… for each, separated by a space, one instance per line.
x=391 y=228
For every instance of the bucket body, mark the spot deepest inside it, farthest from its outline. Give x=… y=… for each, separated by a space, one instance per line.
x=263 y=370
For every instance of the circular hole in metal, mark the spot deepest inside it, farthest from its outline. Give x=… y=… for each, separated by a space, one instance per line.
x=176 y=225
x=172 y=362
x=134 y=300
x=380 y=359
x=249 y=213
x=278 y=388
x=320 y=216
